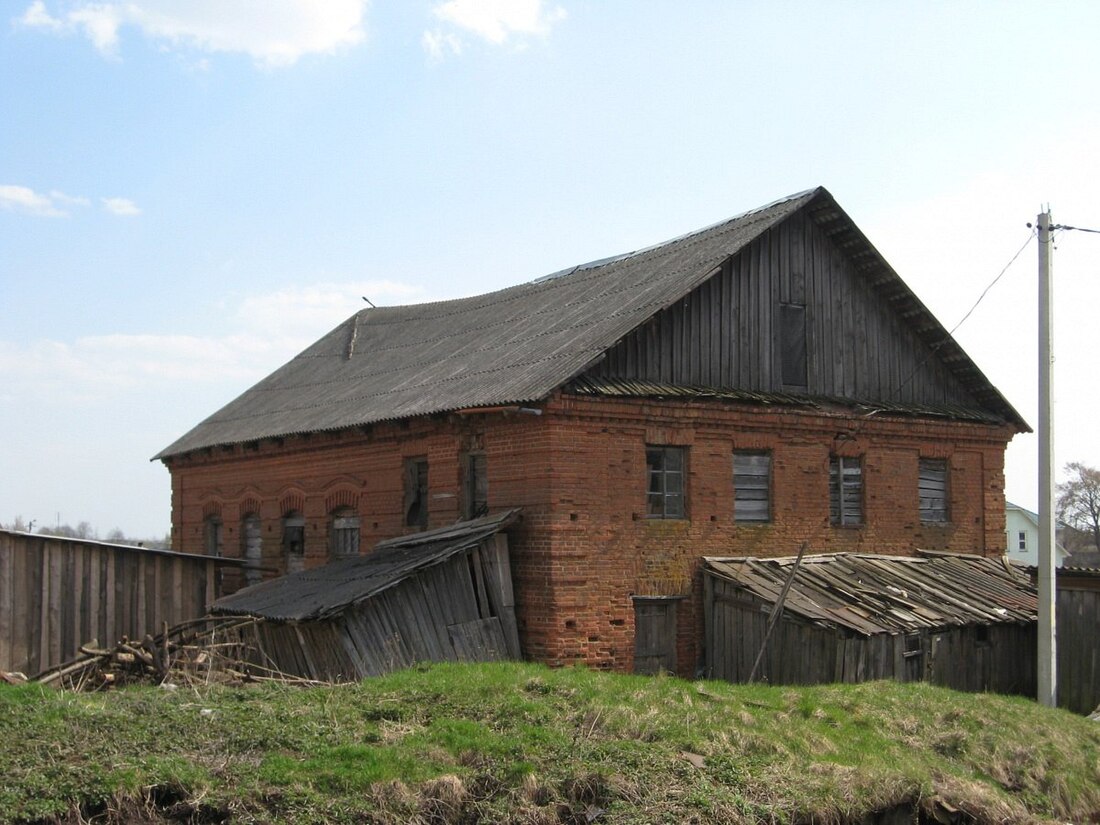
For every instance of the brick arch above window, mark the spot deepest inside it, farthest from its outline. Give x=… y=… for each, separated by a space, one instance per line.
x=249 y=505
x=290 y=500
x=212 y=509
x=342 y=497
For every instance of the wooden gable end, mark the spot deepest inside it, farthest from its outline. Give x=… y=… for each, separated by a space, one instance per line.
x=790 y=313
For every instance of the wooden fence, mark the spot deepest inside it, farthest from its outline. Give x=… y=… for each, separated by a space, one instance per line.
x=57 y=594
x=1079 y=640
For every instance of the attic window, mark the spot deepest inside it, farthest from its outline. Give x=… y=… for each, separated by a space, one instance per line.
x=792 y=344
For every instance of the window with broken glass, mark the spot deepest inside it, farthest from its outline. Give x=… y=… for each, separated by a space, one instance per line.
x=665 y=494
x=416 y=493
x=475 y=485
x=933 y=491
x=294 y=541
x=845 y=491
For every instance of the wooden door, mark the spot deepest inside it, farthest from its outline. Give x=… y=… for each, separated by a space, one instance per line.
x=654 y=635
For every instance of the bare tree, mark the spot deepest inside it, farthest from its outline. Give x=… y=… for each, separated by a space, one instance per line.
x=1079 y=500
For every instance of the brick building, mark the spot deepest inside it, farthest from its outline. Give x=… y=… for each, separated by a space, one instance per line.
x=764 y=382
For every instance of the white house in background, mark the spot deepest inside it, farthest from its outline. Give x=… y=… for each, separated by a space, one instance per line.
x=1022 y=527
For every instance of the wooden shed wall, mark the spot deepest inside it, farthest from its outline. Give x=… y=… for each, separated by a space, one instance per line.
x=1000 y=658
x=57 y=594
x=459 y=610
x=726 y=332
x=1078 y=648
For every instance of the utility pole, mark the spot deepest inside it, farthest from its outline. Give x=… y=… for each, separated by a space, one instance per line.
x=1048 y=637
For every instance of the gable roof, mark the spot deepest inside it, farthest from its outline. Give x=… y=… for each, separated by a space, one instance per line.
x=327 y=590
x=519 y=344
x=870 y=594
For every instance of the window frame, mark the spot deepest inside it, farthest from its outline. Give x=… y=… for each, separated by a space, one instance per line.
x=416 y=492
x=746 y=495
x=475 y=485
x=294 y=540
x=658 y=457
x=930 y=514
x=839 y=500
x=343 y=543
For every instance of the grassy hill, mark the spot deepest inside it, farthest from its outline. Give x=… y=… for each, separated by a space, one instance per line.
x=522 y=743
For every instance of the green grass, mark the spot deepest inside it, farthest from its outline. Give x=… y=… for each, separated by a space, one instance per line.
x=522 y=743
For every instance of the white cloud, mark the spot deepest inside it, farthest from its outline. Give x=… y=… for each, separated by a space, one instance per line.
x=271 y=32
x=268 y=330
x=120 y=206
x=56 y=204
x=15 y=198
x=439 y=43
x=495 y=21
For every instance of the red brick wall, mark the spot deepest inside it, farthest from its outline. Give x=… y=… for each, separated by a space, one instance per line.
x=584 y=545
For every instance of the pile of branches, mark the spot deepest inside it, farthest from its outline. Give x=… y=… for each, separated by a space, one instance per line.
x=201 y=651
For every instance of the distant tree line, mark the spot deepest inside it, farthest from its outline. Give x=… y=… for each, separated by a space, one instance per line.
x=84 y=530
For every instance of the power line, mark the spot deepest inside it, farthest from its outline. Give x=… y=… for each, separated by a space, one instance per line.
x=969 y=312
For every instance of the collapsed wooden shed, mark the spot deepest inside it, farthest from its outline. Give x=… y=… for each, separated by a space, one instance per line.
x=963 y=621
x=439 y=595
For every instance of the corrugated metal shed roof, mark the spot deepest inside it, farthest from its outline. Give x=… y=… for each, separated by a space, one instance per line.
x=324 y=591
x=872 y=594
x=520 y=344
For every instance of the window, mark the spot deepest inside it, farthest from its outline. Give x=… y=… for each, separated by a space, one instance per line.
x=416 y=493
x=751 y=486
x=665 y=497
x=1022 y=540
x=294 y=541
x=252 y=545
x=792 y=338
x=475 y=486
x=933 y=491
x=212 y=536
x=845 y=491
x=343 y=534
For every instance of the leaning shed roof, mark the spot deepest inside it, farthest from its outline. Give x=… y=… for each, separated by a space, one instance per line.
x=519 y=344
x=328 y=590
x=872 y=594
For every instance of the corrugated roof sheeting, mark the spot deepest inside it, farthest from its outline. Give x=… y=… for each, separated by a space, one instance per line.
x=324 y=591
x=872 y=594
x=512 y=346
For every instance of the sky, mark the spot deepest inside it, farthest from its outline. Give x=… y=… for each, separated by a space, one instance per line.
x=193 y=192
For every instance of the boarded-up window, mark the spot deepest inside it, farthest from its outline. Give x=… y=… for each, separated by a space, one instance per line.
x=343 y=534
x=212 y=536
x=475 y=485
x=752 y=486
x=654 y=634
x=252 y=546
x=665 y=494
x=294 y=541
x=933 y=491
x=845 y=491
x=792 y=344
